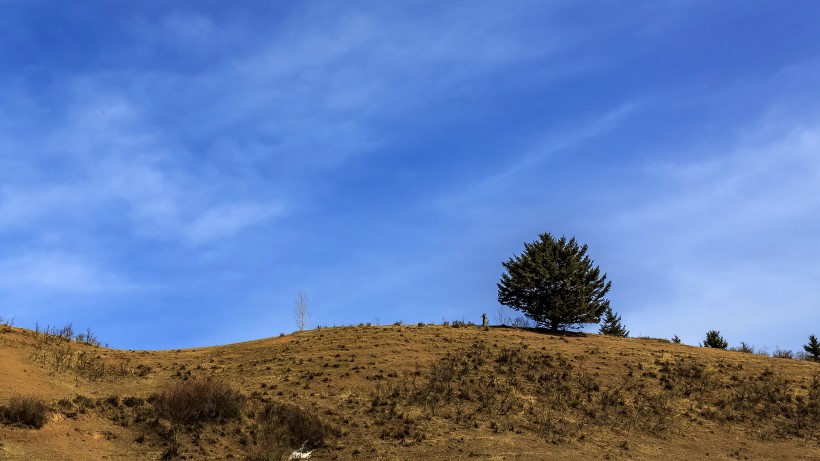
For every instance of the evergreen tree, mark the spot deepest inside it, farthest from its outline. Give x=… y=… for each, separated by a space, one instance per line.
x=813 y=348
x=612 y=325
x=714 y=339
x=676 y=339
x=554 y=283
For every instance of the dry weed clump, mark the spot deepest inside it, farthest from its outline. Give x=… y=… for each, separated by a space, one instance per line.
x=282 y=427
x=685 y=377
x=197 y=401
x=26 y=411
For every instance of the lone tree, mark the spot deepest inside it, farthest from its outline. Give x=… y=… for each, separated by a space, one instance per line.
x=813 y=348
x=554 y=283
x=714 y=339
x=612 y=325
x=300 y=311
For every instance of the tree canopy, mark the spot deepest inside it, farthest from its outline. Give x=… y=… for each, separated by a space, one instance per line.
x=554 y=283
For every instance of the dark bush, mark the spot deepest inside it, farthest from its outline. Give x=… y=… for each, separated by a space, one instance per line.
x=676 y=339
x=132 y=402
x=198 y=401
x=25 y=411
x=715 y=340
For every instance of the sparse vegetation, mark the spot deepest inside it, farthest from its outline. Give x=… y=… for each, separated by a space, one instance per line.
x=512 y=388
x=58 y=354
x=509 y=388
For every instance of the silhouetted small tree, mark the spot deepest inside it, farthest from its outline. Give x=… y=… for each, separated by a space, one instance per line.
x=612 y=325
x=813 y=348
x=676 y=339
x=714 y=339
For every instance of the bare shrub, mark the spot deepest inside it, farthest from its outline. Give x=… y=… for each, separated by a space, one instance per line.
x=25 y=411
x=282 y=427
x=88 y=338
x=743 y=348
x=783 y=354
x=67 y=332
x=197 y=401
x=521 y=322
x=65 y=357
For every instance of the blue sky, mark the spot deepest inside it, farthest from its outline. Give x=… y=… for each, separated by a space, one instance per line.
x=172 y=174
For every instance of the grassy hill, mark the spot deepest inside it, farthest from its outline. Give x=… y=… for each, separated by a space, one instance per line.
x=405 y=392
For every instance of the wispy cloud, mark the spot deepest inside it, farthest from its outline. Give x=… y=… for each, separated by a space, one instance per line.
x=521 y=166
x=237 y=153
x=761 y=183
x=119 y=167
x=227 y=220
x=729 y=240
x=58 y=274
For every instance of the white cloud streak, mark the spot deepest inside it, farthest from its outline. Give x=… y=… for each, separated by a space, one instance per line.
x=57 y=273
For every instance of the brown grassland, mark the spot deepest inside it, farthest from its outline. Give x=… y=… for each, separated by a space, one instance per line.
x=404 y=392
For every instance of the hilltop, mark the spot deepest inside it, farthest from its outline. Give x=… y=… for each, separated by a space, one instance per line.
x=411 y=392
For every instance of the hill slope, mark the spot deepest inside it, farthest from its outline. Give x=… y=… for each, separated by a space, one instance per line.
x=415 y=392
